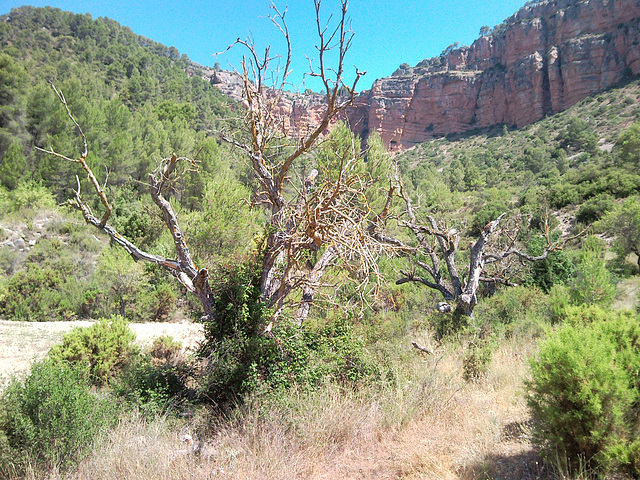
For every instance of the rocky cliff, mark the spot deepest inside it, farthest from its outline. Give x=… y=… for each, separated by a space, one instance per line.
x=540 y=61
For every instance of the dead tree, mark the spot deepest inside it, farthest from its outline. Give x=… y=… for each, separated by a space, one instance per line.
x=318 y=219
x=182 y=267
x=490 y=257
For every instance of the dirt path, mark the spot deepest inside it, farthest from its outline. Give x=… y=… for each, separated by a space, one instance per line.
x=23 y=342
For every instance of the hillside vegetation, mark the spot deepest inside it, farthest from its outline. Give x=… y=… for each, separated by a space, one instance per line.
x=345 y=394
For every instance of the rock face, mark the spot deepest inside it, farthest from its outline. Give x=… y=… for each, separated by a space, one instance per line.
x=540 y=61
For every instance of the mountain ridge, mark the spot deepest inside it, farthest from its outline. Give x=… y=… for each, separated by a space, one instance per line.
x=540 y=61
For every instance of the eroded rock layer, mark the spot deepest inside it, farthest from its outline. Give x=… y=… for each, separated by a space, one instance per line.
x=540 y=61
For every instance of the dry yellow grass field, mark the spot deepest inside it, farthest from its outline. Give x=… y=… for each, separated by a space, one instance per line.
x=430 y=425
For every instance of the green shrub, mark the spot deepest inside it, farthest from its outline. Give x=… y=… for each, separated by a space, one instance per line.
x=584 y=394
x=579 y=135
x=578 y=315
x=241 y=359
x=103 y=349
x=488 y=213
x=563 y=194
x=511 y=306
x=154 y=387
x=156 y=380
x=555 y=269
x=50 y=419
x=34 y=294
x=628 y=144
x=52 y=284
x=29 y=196
x=594 y=284
x=477 y=359
x=559 y=300
x=594 y=208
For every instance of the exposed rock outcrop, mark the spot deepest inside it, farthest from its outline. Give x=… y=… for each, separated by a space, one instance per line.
x=540 y=61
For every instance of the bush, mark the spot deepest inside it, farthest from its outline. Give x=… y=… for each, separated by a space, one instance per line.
x=511 y=306
x=488 y=213
x=580 y=315
x=241 y=359
x=477 y=359
x=579 y=135
x=593 y=284
x=50 y=419
x=102 y=349
x=595 y=208
x=34 y=294
x=156 y=381
x=584 y=394
x=553 y=270
x=27 y=198
x=292 y=356
x=628 y=144
x=52 y=284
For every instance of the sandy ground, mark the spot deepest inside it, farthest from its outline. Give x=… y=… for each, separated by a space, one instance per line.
x=23 y=342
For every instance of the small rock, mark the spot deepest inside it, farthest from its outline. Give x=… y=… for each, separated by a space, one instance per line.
x=11 y=245
x=32 y=243
x=20 y=243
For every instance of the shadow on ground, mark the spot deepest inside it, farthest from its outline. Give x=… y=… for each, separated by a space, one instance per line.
x=523 y=464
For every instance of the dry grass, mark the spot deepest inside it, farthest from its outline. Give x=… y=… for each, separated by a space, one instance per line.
x=431 y=424
x=628 y=293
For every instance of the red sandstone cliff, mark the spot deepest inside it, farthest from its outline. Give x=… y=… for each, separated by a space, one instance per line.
x=541 y=61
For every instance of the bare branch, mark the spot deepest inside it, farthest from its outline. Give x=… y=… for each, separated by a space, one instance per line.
x=464 y=289
x=183 y=269
x=317 y=221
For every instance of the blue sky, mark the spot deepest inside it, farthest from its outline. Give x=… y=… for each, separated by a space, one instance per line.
x=387 y=32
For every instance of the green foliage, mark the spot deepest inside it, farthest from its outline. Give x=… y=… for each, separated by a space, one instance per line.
x=173 y=111
x=477 y=360
x=102 y=349
x=50 y=420
x=26 y=198
x=13 y=166
x=339 y=147
x=595 y=208
x=497 y=204
x=557 y=268
x=35 y=294
x=122 y=285
x=579 y=135
x=535 y=159
x=54 y=283
x=594 y=284
x=225 y=224
x=511 y=307
x=156 y=380
x=581 y=315
x=584 y=392
x=241 y=359
x=624 y=223
x=628 y=143
x=131 y=217
x=132 y=96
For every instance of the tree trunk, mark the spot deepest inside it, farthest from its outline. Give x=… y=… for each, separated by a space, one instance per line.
x=464 y=305
x=272 y=262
